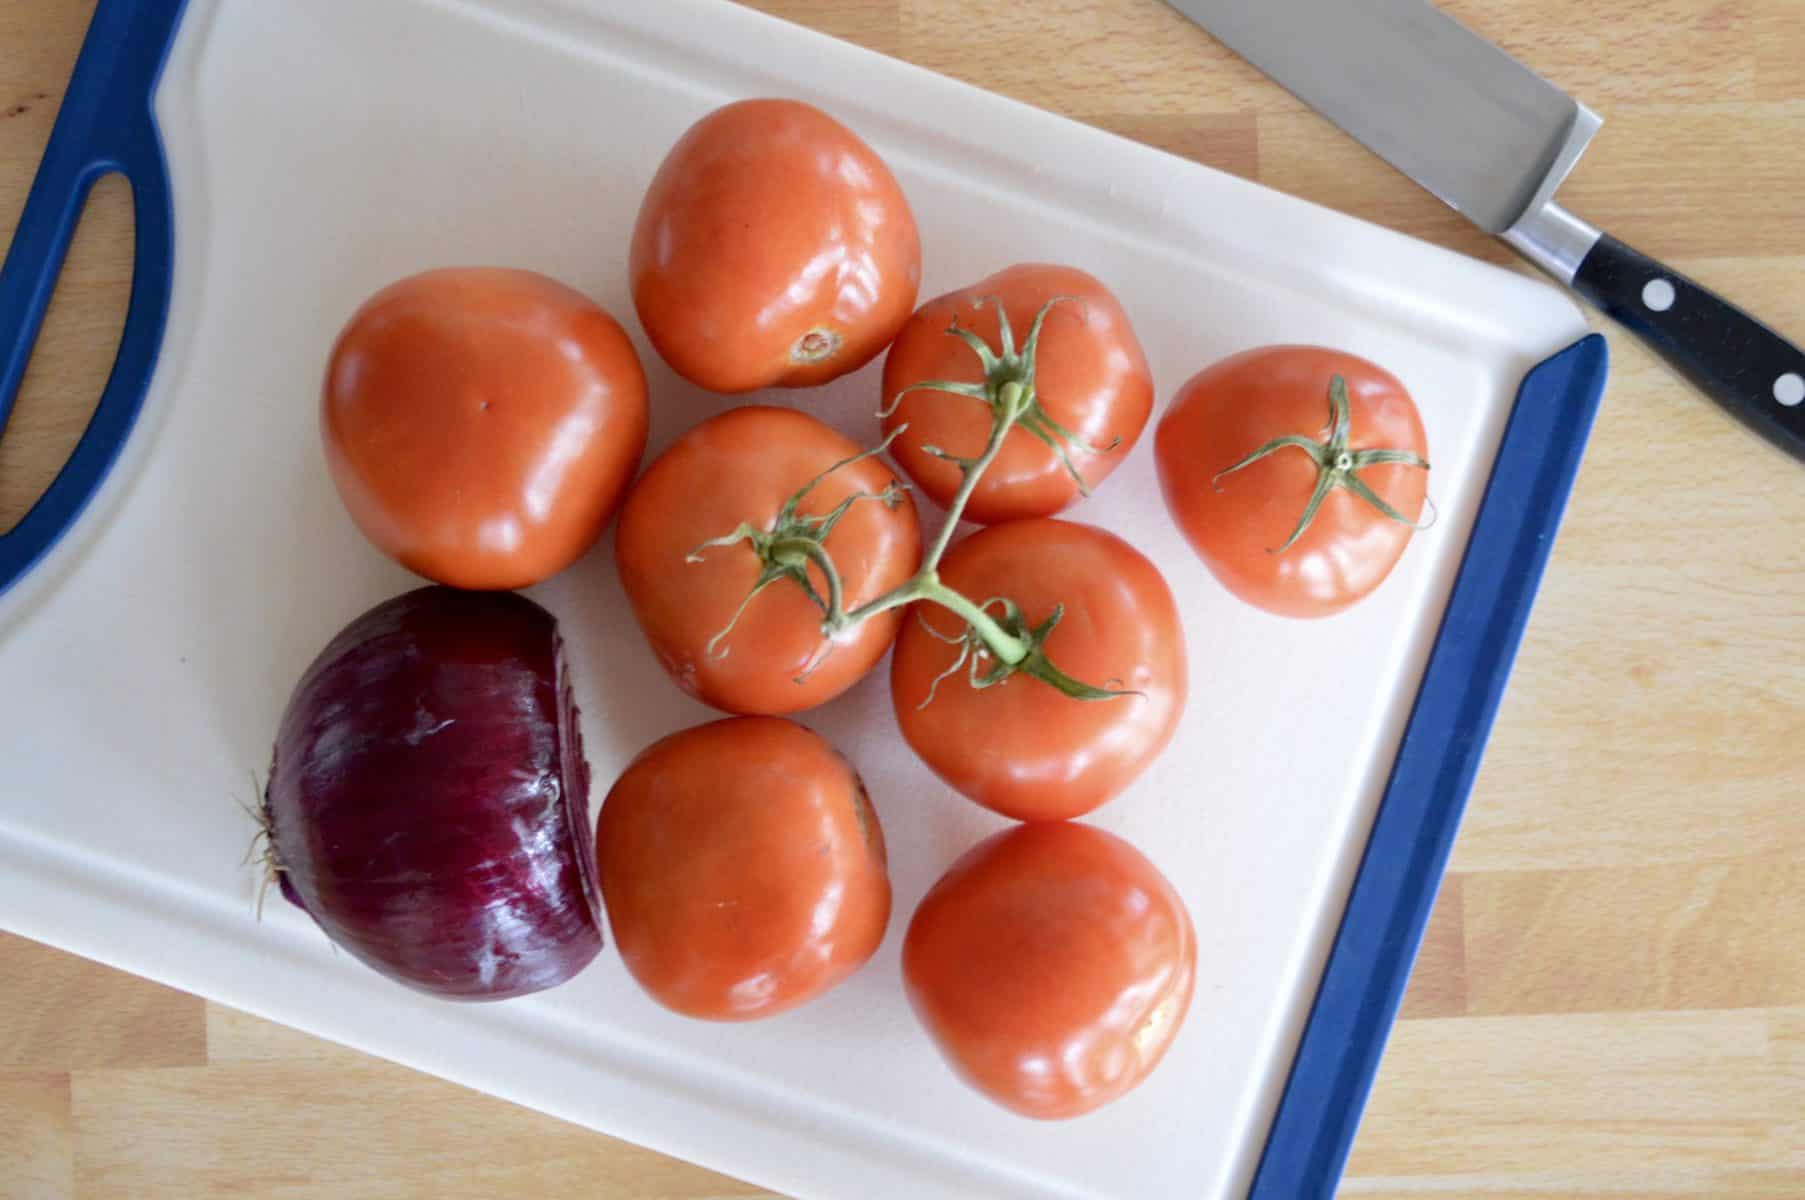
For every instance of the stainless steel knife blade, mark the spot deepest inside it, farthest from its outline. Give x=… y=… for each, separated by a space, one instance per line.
x=1495 y=141
x=1427 y=94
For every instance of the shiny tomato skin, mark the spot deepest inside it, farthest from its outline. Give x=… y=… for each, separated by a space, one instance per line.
x=743 y=869
x=1091 y=377
x=769 y=222
x=1020 y=747
x=481 y=425
x=1229 y=410
x=1053 y=965
x=740 y=467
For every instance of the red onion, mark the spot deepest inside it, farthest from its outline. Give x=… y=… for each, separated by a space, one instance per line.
x=428 y=801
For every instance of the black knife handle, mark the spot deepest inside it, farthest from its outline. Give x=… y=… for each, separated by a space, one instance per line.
x=1752 y=371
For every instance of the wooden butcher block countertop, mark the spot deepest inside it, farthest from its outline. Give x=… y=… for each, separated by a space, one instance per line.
x=1611 y=1000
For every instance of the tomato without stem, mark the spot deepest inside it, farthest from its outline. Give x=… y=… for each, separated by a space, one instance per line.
x=1053 y=965
x=741 y=467
x=482 y=424
x=1022 y=747
x=1092 y=388
x=1242 y=519
x=774 y=248
x=743 y=869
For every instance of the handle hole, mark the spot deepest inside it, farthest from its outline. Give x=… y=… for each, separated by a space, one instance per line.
x=74 y=353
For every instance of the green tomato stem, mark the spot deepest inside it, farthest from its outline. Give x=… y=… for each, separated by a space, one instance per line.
x=799 y=551
x=1002 y=644
x=926 y=585
x=1015 y=400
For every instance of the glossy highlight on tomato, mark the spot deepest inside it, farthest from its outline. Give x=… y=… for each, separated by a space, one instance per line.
x=773 y=249
x=1021 y=747
x=1091 y=380
x=1053 y=966
x=482 y=424
x=1240 y=520
x=739 y=467
x=743 y=869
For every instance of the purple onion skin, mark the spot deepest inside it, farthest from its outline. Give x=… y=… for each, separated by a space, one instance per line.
x=428 y=800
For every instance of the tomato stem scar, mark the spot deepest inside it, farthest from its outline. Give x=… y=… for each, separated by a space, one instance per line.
x=1336 y=467
x=815 y=346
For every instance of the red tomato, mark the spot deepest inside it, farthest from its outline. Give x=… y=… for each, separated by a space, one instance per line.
x=743 y=869
x=1091 y=380
x=481 y=425
x=773 y=249
x=1053 y=966
x=1021 y=747
x=1241 y=521
x=741 y=467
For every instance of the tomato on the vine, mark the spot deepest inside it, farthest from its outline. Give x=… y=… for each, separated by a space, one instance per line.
x=1298 y=474
x=482 y=424
x=1092 y=390
x=774 y=248
x=1053 y=965
x=687 y=580
x=1021 y=746
x=743 y=869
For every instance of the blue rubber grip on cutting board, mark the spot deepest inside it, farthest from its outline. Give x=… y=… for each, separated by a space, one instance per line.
x=105 y=126
x=1407 y=851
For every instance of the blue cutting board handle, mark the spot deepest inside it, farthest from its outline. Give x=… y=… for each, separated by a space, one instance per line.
x=105 y=126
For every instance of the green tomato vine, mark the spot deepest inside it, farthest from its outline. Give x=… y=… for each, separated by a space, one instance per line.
x=998 y=640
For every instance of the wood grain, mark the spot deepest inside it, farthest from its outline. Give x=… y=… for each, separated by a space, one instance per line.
x=1779 y=27
x=1610 y=1002
x=37 y=1155
x=1613 y=1094
x=350 y=1130
x=1659 y=51
x=1682 y=936
x=65 y=1013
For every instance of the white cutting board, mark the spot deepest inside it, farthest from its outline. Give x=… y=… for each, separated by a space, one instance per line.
x=322 y=148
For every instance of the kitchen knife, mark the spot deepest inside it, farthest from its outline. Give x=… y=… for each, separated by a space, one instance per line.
x=1495 y=141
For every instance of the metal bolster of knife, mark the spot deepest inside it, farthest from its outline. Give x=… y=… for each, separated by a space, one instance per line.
x=1547 y=234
